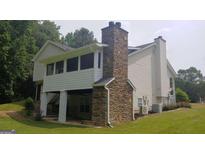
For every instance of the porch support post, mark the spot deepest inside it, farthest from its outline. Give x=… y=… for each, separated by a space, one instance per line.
x=36 y=86
x=62 y=106
x=44 y=102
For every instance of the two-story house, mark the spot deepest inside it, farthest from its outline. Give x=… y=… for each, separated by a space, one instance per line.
x=103 y=82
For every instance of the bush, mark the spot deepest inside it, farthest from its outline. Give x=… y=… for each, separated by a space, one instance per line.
x=170 y=107
x=181 y=96
x=184 y=104
x=28 y=112
x=29 y=104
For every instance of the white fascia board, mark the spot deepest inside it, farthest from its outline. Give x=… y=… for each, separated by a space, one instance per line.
x=171 y=68
x=141 y=50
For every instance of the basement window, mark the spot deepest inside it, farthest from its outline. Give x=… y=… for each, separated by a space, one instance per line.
x=87 y=61
x=171 y=82
x=50 y=69
x=72 y=64
x=59 y=67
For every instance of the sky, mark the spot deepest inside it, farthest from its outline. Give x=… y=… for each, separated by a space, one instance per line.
x=185 y=39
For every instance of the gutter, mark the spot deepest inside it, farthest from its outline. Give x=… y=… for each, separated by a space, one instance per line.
x=108 y=100
x=108 y=107
x=108 y=103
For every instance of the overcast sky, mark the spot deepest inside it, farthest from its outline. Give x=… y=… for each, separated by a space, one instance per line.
x=185 y=39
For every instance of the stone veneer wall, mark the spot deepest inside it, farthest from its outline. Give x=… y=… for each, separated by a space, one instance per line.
x=121 y=106
x=99 y=106
x=115 y=64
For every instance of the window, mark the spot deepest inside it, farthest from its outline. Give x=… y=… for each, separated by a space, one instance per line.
x=140 y=101
x=50 y=69
x=59 y=67
x=87 y=61
x=171 y=82
x=72 y=64
x=99 y=60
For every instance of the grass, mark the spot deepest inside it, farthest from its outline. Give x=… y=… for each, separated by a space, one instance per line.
x=16 y=106
x=181 y=121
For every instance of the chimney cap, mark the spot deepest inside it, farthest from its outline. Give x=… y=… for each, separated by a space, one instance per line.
x=111 y=23
x=114 y=25
x=161 y=38
x=118 y=24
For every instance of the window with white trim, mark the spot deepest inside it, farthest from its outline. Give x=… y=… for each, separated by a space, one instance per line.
x=50 y=69
x=59 y=67
x=87 y=61
x=72 y=64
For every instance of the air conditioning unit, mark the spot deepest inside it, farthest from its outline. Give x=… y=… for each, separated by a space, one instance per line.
x=145 y=110
x=143 y=105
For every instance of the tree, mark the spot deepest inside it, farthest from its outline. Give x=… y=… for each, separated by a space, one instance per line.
x=191 y=81
x=6 y=90
x=181 y=96
x=190 y=75
x=45 y=30
x=19 y=42
x=79 y=38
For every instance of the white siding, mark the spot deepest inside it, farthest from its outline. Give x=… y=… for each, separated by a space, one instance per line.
x=140 y=74
x=161 y=68
x=150 y=74
x=98 y=71
x=171 y=75
x=82 y=79
x=50 y=50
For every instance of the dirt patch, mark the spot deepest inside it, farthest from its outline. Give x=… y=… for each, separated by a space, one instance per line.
x=5 y=113
x=12 y=114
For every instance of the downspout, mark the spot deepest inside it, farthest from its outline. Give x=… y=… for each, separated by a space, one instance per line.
x=108 y=107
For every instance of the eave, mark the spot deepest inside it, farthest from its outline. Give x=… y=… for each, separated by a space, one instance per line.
x=73 y=53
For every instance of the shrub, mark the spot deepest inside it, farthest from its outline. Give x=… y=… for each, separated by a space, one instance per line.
x=184 y=104
x=181 y=96
x=29 y=104
x=28 y=112
x=170 y=107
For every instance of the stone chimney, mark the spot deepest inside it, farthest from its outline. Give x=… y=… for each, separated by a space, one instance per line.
x=115 y=64
x=115 y=56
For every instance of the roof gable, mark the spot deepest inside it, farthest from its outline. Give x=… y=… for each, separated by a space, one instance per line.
x=138 y=49
x=62 y=47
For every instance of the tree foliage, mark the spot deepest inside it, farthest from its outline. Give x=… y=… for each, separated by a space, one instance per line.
x=190 y=75
x=79 y=38
x=191 y=81
x=45 y=30
x=19 y=42
x=181 y=96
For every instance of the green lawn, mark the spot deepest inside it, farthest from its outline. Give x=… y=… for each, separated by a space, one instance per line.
x=177 y=121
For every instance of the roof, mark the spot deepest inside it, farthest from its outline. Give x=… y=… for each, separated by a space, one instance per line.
x=103 y=82
x=171 y=68
x=106 y=81
x=73 y=52
x=63 y=47
x=131 y=84
x=132 y=49
x=137 y=49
